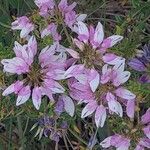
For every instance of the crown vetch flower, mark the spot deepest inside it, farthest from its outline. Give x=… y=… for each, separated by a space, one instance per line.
x=102 y=92
x=141 y=63
x=124 y=141
x=24 y=24
x=58 y=14
x=39 y=78
x=92 y=46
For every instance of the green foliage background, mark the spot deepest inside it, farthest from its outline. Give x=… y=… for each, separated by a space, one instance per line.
x=130 y=18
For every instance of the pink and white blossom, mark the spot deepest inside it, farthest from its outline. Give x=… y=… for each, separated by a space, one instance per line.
x=122 y=142
x=24 y=24
x=101 y=92
x=40 y=78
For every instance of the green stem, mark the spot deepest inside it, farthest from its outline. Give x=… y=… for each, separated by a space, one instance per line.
x=27 y=122
x=5 y=25
x=77 y=136
x=67 y=34
x=20 y=132
x=65 y=141
x=56 y=146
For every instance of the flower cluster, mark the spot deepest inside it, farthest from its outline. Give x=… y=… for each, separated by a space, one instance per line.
x=87 y=72
x=124 y=142
x=47 y=126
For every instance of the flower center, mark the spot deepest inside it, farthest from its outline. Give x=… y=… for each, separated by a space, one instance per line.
x=90 y=57
x=35 y=76
x=101 y=91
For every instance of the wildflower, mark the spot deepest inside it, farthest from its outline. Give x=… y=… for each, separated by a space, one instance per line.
x=51 y=29
x=45 y=6
x=49 y=128
x=92 y=46
x=38 y=78
x=102 y=91
x=117 y=141
x=141 y=63
x=140 y=135
x=65 y=103
x=58 y=15
x=24 y=24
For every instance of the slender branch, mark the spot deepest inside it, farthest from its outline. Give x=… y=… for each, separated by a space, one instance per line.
x=56 y=146
x=26 y=126
x=20 y=131
x=69 y=142
x=5 y=25
x=67 y=34
x=77 y=136
x=65 y=141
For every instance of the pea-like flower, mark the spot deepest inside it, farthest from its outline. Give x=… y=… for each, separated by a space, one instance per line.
x=39 y=77
x=24 y=24
x=92 y=46
x=58 y=14
x=124 y=141
x=100 y=92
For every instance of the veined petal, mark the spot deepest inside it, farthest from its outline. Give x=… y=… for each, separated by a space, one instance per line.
x=79 y=44
x=130 y=108
x=145 y=142
x=100 y=116
x=73 y=53
x=15 y=65
x=9 y=90
x=83 y=32
x=146 y=117
x=68 y=105
x=106 y=143
x=147 y=131
x=23 y=95
x=89 y=109
x=137 y=65
x=36 y=97
x=99 y=35
x=95 y=79
x=112 y=59
x=121 y=78
x=114 y=39
x=113 y=105
x=57 y=88
x=32 y=45
x=125 y=94
x=81 y=17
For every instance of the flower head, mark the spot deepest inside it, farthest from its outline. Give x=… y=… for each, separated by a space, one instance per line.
x=102 y=92
x=24 y=24
x=92 y=46
x=139 y=135
x=39 y=78
x=63 y=13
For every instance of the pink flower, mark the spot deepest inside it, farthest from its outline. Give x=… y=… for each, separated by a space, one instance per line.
x=64 y=11
x=92 y=46
x=100 y=93
x=23 y=24
x=39 y=78
x=45 y=6
x=123 y=142
x=117 y=141
x=95 y=37
x=51 y=29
